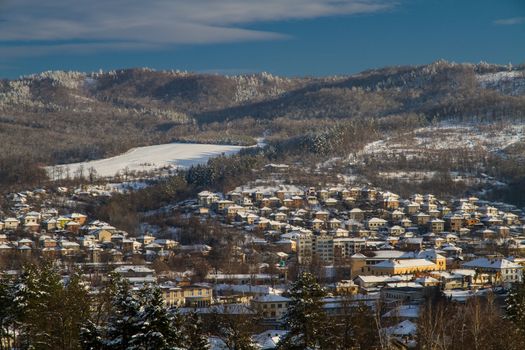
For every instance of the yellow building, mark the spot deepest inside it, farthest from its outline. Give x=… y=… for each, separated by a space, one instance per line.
x=103 y=235
x=405 y=266
x=195 y=295
x=62 y=221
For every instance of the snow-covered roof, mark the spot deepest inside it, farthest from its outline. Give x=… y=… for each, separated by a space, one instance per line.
x=404 y=328
x=270 y=339
x=405 y=263
x=485 y=263
x=271 y=298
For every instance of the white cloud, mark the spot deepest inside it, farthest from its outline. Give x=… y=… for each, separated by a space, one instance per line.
x=510 y=21
x=121 y=24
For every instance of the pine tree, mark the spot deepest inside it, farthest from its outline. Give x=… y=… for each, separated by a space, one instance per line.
x=159 y=329
x=305 y=318
x=9 y=315
x=40 y=298
x=74 y=311
x=515 y=301
x=124 y=321
x=194 y=337
x=91 y=336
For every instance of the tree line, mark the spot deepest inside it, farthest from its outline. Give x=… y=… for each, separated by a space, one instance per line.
x=43 y=309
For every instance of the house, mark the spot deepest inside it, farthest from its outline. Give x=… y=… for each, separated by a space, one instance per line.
x=146 y=239
x=25 y=242
x=413 y=208
x=322 y=215
x=454 y=223
x=221 y=205
x=136 y=273
x=373 y=283
x=346 y=287
x=49 y=224
x=413 y=243
x=269 y=340
x=396 y=230
x=499 y=270
x=317 y=224
x=11 y=224
x=397 y=215
x=207 y=198
x=334 y=224
x=375 y=224
x=72 y=226
x=286 y=245
x=357 y=214
x=173 y=295
x=421 y=219
x=437 y=225
x=197 y=295
x=62 y=221
x=102 y=235
x=272 y=307
x=403 y=292
x=79 y=218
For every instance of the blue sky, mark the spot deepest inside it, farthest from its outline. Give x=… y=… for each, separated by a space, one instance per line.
x=286 y=37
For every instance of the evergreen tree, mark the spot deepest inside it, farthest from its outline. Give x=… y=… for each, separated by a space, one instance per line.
x=9 y=315
x=305 y=317
x=50 y=309
x=515 y=301
x=159 y=329
x=91 y=336
x=124 y=321
x=74 y=311
x=194 y=337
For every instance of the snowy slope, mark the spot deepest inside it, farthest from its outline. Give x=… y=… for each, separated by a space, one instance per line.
x=177 y=155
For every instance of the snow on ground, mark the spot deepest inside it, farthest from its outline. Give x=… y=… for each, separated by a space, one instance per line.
x=509 y=82
x=447 y=137
x=270 y=188
x=175 y=155
x=494 y=78
x=463 y=295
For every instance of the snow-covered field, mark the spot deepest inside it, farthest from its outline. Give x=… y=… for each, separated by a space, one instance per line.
x=173 y=155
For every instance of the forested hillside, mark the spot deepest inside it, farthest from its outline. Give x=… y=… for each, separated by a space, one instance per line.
x=59 y=117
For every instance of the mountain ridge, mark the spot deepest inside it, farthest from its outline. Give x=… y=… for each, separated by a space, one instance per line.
x=58 y=117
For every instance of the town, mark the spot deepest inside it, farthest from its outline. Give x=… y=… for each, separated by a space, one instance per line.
x=365 y=246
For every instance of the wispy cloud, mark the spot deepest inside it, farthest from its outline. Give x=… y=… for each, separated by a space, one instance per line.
x=510 y=21
x=36 y=26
